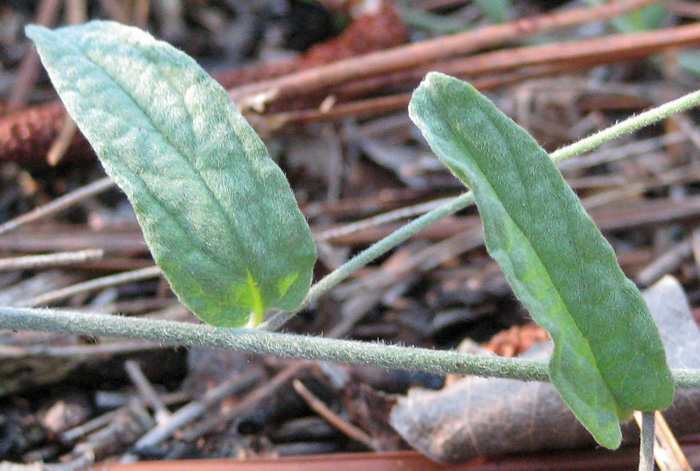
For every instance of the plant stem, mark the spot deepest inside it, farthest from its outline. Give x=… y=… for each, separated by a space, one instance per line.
x=646 y=445
x=627 y=126
x=380 y=219
x=277 y=344
x=289 y=345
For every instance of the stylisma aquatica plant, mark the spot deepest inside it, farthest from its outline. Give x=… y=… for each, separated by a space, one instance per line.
x=222 y=222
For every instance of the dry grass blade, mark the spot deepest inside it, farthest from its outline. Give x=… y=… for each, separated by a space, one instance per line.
x=50 y=260
x=59 y=204
x=98 y=283
x=29 y=70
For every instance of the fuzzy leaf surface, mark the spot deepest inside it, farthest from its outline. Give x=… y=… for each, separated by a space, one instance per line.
x=608 y=358
x=217 y=213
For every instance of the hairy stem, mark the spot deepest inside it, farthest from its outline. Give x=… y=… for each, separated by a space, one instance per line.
x=627 y=126
x=277 y=344
x=646 y=445
x=289 y=345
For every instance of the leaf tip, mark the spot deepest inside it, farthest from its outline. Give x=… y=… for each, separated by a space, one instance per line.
x=431 y=76
x=34 y=32
x=611 y=442
x=438 y=79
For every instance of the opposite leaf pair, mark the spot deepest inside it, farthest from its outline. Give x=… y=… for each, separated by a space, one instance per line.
x=223 y=224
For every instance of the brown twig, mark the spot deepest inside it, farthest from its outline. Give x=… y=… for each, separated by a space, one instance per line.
x=368 y=33
x=684 y=8
x=76 y=13
x=59 y=204
x=542 y=60
x=94 y=284
x=665 y=264
x=140 y=13
x=147 y=391
x=588 y=460
x=336 y=421
x=63 y=141
x=582 y=53
x=269 y=387
x=318 y=79
x=196 y=408
x=26 y=136
x=50 y=260
x=124 y=240
x=392 y=103
x=100 y=421
x=11 y=352
x=29 y=69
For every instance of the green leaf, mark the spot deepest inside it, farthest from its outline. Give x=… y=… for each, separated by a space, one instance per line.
x=216 y=211
x=608 y=358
